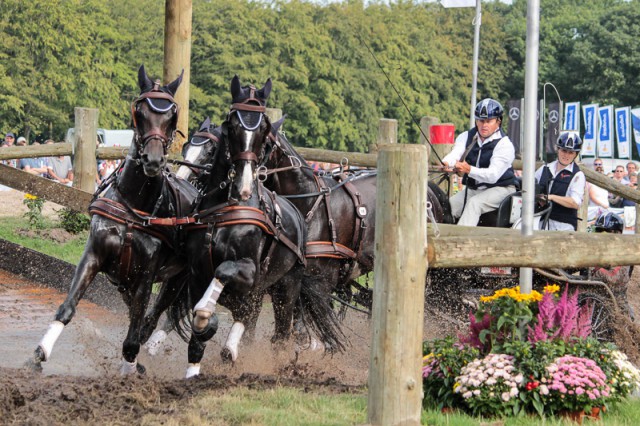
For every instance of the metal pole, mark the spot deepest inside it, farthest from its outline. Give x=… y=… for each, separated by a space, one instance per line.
x=476 y=53
x=529 y=157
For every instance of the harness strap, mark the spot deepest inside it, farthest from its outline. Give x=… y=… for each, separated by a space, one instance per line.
x=317 y=249
x=125 y=256
x=361 y=214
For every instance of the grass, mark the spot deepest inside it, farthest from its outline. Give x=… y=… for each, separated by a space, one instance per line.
x=69 y=251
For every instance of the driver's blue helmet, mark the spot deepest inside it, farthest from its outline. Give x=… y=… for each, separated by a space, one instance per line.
x=569 y=140
x=488 y=108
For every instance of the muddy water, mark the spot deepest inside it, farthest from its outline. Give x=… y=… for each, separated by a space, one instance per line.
x=91 y=344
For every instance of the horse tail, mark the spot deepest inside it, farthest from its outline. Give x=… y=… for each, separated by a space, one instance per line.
x=318 y=316
x=179 y=313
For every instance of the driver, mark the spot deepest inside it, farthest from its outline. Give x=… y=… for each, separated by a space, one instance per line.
x=483 y=156
x=564 y=183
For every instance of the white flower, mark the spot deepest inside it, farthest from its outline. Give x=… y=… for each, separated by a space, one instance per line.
x=518 y=378
x=514 y=392
x=544 y=390
x=476 y=392
x=467 y=395
x=491 y=381
x=505 y=396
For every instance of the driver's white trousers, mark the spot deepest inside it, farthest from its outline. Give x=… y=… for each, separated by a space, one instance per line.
x=479 y=201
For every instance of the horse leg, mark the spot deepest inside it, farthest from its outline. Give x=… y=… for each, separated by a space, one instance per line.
x=168 y=293
x=284 y=296
x=195 y=353
x=131 y=344
x=85 y=272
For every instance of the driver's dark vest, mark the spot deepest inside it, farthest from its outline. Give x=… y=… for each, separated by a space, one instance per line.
x=485 y=153
x=560 y=187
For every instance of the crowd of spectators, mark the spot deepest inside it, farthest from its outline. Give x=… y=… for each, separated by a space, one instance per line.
x=601 y=200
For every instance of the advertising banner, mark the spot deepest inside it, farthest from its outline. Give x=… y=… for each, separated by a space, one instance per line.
x=623 y=132
x=605 y=131
x=635 y=123
x=572 y=116
x=590 y=114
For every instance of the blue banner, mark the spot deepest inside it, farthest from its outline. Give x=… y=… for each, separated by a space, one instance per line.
x=572 y=116
x=623 y=132
x=605 y=131
x=590 y=114
x=635 y=122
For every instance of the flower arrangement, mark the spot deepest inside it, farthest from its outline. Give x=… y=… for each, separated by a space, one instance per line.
x=490 y=385
x=576 y=384
x=526 y=353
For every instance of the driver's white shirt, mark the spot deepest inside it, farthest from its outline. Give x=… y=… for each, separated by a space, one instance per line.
x=501 y=159
x=575 y=191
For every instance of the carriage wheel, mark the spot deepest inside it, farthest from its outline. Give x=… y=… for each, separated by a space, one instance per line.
x=602 y=315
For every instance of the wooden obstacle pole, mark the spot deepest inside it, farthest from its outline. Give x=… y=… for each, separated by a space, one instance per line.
x=84 y=160
x=177 y=57
x=395 y=380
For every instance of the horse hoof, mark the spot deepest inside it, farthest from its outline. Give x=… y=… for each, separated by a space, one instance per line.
x=35 y=363
x=227 y=355
x=141 y=369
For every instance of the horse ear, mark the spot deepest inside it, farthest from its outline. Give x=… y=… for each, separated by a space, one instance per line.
x=266 y=90
x=172 y=87
x=144 y=82
x=276 y=126
x=205 y=124
x=236 y=90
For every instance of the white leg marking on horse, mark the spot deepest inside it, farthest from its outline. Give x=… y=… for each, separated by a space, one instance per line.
x=128 y=367
x=50 y=337
x=155 y=341
x=193 y=370
x=237 y=330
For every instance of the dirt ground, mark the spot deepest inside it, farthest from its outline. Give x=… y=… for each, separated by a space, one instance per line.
x=80 y=384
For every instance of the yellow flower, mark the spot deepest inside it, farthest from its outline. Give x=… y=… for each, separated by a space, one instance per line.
x=552 y=288
x=30 y=197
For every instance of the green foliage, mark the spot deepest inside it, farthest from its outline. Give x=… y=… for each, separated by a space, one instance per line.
x=329 y=62
x=73 y=221
x=34 y=215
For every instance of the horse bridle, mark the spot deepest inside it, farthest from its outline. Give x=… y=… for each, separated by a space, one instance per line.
x=251 y=104
x=155 y=93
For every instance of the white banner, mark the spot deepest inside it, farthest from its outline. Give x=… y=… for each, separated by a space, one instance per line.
x=635 y=123
x=605 y=131
x=623 y=131
x=590 y=114
x=458 y=3
x=572 y=116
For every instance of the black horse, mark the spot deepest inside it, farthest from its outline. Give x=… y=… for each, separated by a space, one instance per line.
x=248 y=240
x=339 y=210
x=133 y=237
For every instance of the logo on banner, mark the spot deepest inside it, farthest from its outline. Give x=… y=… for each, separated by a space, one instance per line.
x=590 y=123
x=554 y=116
x=514 y=113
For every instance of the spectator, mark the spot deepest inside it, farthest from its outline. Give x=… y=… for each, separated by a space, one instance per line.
x=633 y=180
x=35 y=166
x=631 y=169
x=60 y=168
x=483 y=155
x=22 y=141
x=106 y=168
x=564 y=183
x=617 y=277
x=598 y=197
x=9 y=139
x=618 y=175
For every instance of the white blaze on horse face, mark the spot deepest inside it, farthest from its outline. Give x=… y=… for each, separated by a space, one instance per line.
x=237 y=330
x=246 y=184
x=193 y=152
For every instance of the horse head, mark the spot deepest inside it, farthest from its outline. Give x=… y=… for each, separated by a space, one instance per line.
x=155 y=120
x=245 y=132
x=200 y=152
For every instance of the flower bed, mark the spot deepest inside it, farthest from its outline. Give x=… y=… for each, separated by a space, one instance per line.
x=526 y=353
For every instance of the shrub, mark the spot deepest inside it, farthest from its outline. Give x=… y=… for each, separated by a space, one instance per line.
x=73 y=221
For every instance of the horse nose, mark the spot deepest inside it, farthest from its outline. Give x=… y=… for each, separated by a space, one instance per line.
x=245 y=194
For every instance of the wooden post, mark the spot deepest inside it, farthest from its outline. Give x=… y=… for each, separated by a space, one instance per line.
x=395 y=379
x=387 y=131
x=177 y=57
x=84 y=160
x=583 y=211
x=637 y=229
